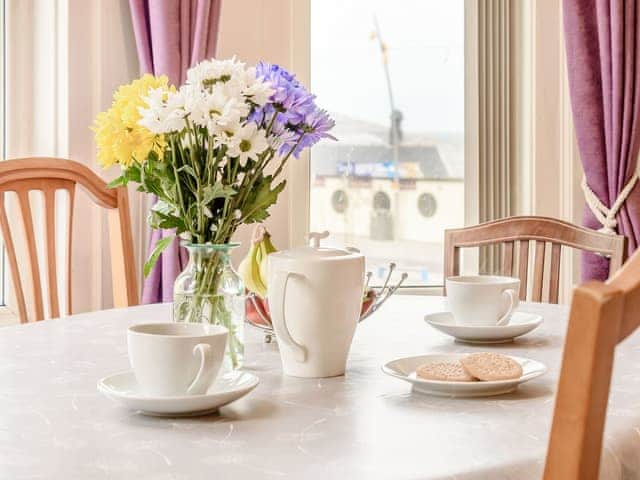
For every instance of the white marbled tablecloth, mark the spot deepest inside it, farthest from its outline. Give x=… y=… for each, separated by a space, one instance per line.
x=365 y=425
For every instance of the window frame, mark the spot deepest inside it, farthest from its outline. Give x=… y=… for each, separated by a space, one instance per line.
x=299 y=172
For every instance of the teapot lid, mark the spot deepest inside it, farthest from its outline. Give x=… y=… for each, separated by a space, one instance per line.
x=316 y=252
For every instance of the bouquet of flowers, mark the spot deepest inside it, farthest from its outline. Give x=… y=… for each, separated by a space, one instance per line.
x=212 y=151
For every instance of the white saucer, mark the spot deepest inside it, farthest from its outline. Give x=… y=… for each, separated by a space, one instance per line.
x=405 y=369
x=227 y=388
x=520 y=323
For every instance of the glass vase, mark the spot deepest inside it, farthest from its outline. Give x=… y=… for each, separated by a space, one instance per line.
x=210 y=291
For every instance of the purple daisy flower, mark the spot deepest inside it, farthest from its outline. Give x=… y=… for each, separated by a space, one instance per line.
x=291 y=110
x=313 y=127
x=289 y=98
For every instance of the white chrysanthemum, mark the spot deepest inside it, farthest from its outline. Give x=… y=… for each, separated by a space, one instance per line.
x=258 y=92
x=210 y=73
x=255 y=89
x=233 y=110
x=214 y=111
x=226 y=135
x=164 y=112
x=219 y=95
x=247 y=143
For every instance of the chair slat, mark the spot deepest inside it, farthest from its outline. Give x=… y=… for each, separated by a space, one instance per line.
x=27 y=224
x=13 y=262
x=523 y=270
x=507 y=259
x=554 y=273
x=71 y=191
x=50 y=239
x=452 y=258
x=538 y=271
x=121 y=240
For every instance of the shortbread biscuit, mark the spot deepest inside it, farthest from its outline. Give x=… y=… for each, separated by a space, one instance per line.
x=491 y=366
x=447 y=371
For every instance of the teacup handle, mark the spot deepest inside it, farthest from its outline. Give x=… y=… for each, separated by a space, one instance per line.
x=279 y=286
x=202 y=381
x=512 y=296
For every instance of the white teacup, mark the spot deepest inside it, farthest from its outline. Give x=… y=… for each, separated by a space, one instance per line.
x=482 y=299
x=171 y=359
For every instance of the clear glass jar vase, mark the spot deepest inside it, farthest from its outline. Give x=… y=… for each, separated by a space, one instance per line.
x=210 y=291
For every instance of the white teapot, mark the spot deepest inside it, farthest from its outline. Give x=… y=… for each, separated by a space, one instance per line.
x=315 y=297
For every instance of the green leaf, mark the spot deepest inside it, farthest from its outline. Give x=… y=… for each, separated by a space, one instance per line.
x=167 y=221
x=132 y=173
x=165 y=215
x=161 y=245
x=257 y=206
x=217 y=190
x=152 y=185
x=117 y=182
x=163 y=207
x=188 y=169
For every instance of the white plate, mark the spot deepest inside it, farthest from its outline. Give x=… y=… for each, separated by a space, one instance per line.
x=227 y=388
x=405 y=369
x=520 y=323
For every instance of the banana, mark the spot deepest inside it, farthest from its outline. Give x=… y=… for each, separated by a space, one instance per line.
x=253 y=268
x=267 y=248
x=245 y=269
x=260 y=288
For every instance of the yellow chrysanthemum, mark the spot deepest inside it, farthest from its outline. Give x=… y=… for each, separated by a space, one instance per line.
x=119 y=138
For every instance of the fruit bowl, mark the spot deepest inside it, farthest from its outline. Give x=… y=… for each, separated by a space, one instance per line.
x=258 y=315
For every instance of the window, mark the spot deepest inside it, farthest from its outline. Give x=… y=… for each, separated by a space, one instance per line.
x=392 y=76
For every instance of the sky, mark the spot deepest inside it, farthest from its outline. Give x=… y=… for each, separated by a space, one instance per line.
x=425 y=41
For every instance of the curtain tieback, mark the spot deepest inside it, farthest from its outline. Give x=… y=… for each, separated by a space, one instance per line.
x=607 y=216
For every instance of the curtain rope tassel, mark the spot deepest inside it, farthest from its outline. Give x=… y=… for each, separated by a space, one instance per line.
x=607 y=216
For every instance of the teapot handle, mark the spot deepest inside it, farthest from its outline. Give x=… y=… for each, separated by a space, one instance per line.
x=278 y=291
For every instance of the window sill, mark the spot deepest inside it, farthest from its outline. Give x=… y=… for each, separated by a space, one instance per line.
x=8 y=317
x=425 y=290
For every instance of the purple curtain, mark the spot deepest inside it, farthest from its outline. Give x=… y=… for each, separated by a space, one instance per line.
x=172 y=36
x=603 y=62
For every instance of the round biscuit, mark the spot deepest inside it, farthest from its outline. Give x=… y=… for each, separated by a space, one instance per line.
x=444 y=371
x=487 y=366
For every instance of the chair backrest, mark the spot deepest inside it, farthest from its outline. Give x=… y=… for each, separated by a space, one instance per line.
x=602 y=315
x=515 y=235
x=49 y=175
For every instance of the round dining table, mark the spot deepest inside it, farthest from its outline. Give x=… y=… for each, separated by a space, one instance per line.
x=363 y=425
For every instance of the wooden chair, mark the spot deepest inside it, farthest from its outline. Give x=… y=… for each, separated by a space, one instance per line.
x=602 y=315
x=49 y=175
x=520 y=231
